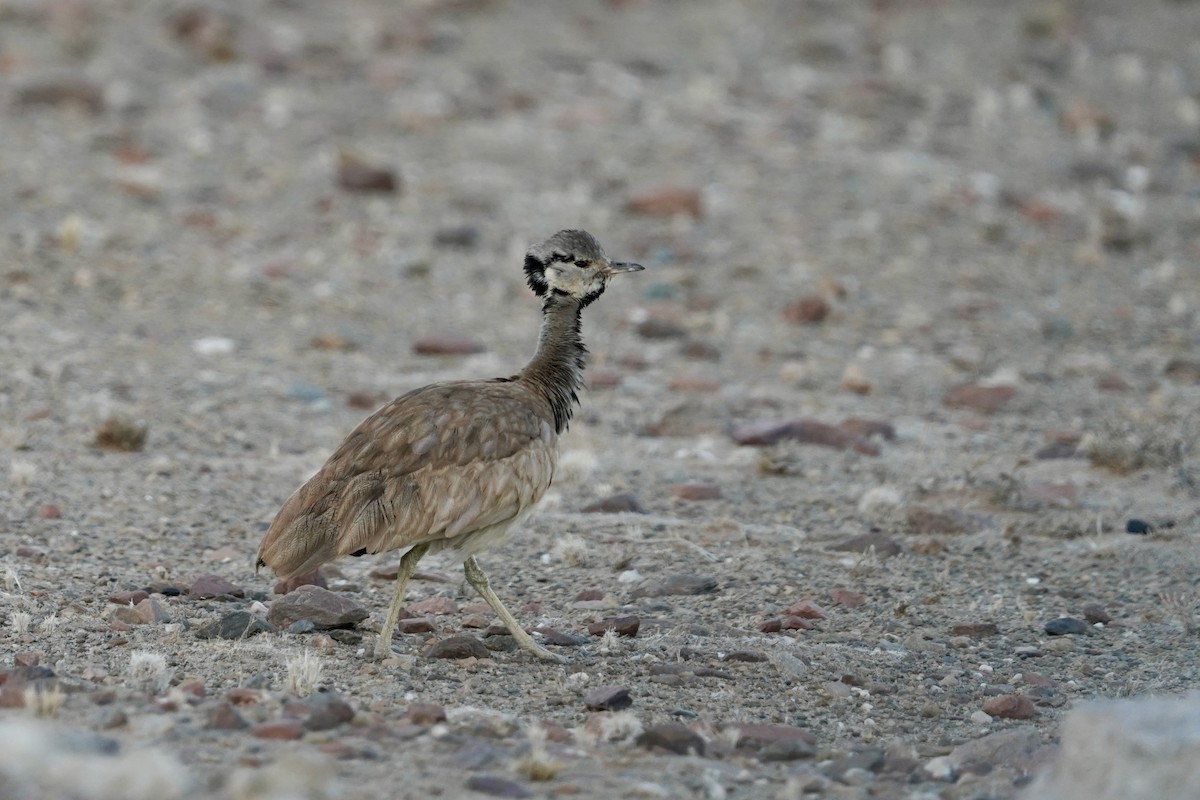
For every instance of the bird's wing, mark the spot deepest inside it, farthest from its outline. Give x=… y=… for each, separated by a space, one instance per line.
x=437 y=463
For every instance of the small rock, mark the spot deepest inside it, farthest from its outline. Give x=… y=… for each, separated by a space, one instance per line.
x=425 y=713
x=1112 y=382
x=927 y=521
x=355 y=175
x=883 y=545
x=866 y=428
x=785 y=623
x=672 y=737
x=1096 y=614
x=283 y=729
x=461 y=646
x=497 y=787
x=416 y=625
x=437 y=345
x=984 y=399
x=1066 y=625
x=224 y=717
x=1138 y=527
x=49 y=511
x=623 y=626
x=1183 y=370
x=121 y=435
x=237 y=625
x=785 y=739
x=464 y=237
x=321 y=711
x=1009 y=706
x=805 y=431
x=557 y=638
x=974 y=629
x=841 y=596
x=806 y=609
x=747 y=656
x=209 y=587
x=326 y=609
x=666 y=201
x=622 y=502
x=77 y=93
x=807 y=310
x=855 y=379
x=434 y=605
x=477 y=621
x=696 y=491
x=152 y=611
x=128 y=597
x=658 y=327
x=682 y=584
x=314 y=578
x=589 y=595
x=608 y=698
x=700 y=351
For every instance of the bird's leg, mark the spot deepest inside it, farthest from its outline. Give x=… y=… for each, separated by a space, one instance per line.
x=477 y=578
x=408 y=565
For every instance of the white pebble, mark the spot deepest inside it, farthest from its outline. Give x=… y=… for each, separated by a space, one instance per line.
x=213 y=346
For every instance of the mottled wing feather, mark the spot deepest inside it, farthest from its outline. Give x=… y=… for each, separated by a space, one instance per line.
x=438 y=463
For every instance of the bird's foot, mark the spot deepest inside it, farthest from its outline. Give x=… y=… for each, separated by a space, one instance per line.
x=546 y=655
x=383 y=649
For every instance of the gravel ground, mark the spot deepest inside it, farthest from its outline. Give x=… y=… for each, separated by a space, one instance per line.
x=916 y=346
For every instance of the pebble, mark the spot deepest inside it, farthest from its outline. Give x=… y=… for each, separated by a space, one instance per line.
x=841 y=596
x=73 y=92
x=152 y=611
x=314 y=578
x=622 y=502
x=927 y=521
x=434 y=605
x=774 y=742
x=326 y=609
x=1183 y=370
x=425 y=713
x=785 y=623
x=883 y=545
x=464 y=237
x=867 y=428
x=128 y=597
x=497 y=787
x=673 y=738
x=437 y=345
x=658 y=327
x=623 y=626
x=1065 y=625
x=808 y=310
x=984 y=399
x=696 y=491
x=805 y=431
x=1138 y=527
x=1009 y=706
x=282 y=729
x=461 y=646
x=416 y=625
x=557 y=638
x=855 y=380
x=224 y=717
x=679 y=584
x=49 y=511
x=355 y=175
x=974 y=629
x=1096 y=614
x=608 y=698
x=211 y=587
x=701 y=351
x=806 y=609
x=236 y=625
x=321 y=711
x=746 y=656
x=666 y=201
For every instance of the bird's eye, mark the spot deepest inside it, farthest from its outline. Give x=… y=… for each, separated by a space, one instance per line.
x=581 y=263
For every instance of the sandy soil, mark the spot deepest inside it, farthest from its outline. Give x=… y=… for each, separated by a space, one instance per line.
x=968 y=195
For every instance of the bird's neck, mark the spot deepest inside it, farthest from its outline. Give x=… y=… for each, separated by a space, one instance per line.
x=556 y=370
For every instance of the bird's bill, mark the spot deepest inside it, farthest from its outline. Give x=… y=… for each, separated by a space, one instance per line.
x=623 y=266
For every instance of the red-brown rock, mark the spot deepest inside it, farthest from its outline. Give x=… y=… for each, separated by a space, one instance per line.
x=1009 y=706
x=314 y=578
x=209 y=587
x=666 y=201
x=805 y=431
x=696 y=491
x=841 y=596
x=808 y=310
x=984 y=399
x=283 y=729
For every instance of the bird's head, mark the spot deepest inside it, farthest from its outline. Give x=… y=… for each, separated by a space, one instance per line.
x=571 y=265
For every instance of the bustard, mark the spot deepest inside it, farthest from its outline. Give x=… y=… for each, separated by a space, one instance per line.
x=453 y=465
